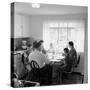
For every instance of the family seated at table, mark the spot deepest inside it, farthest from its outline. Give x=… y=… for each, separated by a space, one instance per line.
x=40 y=56
x=70 y=57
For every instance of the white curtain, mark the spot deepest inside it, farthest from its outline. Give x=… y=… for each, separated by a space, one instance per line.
x=59 y=33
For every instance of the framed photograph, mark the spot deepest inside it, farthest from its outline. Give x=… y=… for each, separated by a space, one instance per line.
x=49 y=44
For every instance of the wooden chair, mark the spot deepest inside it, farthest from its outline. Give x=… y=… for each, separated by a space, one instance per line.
x=73 y=77
x=72 y=73
x=80 y=75
x=42 y=77
x=34 y=65
x=64 y=72
x=35 y=70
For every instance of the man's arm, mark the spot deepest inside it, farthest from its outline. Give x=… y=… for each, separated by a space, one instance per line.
x=29 y=57
x=46 y=59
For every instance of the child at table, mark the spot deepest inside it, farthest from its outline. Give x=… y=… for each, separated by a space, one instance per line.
x=68 y=63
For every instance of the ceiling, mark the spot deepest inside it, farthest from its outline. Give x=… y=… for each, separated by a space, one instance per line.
x=48 y=9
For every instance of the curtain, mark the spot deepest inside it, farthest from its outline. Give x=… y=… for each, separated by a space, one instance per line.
x=58 y=34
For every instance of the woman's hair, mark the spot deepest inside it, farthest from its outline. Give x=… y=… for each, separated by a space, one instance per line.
x=66 y=50
x=41 y=41
x=36 y=44
x=71 y=43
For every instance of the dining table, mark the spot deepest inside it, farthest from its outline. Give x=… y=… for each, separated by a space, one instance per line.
x=57 y=63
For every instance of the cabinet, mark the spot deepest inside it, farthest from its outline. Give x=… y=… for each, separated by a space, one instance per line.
x=21 y=26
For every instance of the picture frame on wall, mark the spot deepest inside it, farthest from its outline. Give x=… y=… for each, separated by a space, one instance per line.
x=49 y=44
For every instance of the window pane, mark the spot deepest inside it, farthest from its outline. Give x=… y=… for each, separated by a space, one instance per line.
x=59 y=33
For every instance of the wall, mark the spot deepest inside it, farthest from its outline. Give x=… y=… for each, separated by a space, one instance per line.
x=32 y=25
x=37 y=21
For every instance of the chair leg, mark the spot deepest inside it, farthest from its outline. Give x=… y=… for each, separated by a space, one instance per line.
x=60 y=78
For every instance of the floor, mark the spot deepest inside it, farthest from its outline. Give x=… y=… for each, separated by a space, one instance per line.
x=74 y=78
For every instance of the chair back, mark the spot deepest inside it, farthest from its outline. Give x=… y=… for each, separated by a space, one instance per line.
x=34 y=65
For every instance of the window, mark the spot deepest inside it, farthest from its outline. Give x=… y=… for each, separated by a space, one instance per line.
x=59 y=33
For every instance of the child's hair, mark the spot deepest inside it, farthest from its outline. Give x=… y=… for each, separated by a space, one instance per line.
x=66 y=50
x=71 y=43
x=41 y=41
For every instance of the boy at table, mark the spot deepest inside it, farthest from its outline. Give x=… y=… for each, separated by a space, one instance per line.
x=70 y=57
x=68 y=63
x=66 y=66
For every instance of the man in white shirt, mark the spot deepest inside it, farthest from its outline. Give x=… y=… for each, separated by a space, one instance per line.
x=38 y=56
x=42 y=60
